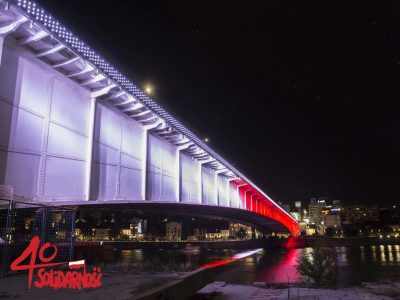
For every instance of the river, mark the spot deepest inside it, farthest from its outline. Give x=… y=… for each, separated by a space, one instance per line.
x=355 y=264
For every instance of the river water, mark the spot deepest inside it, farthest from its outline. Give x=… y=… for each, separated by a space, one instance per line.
x=355 y=264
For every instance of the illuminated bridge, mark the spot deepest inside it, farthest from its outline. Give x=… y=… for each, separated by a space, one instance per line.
x=76 y=131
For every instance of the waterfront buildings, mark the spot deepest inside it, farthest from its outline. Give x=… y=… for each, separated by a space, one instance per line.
x=315 y=210
x=361 y=213
x=173 y=231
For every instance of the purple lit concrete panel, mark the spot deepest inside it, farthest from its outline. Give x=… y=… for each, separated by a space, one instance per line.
x=66 y=142
x=35 y=87
x=190 y=174
x=234 y=198
x=5 y=123
x=131 y=162
x=130 y=184
x=8 y=74
x=21 y=172
x=169 y=171
x=26 y=131
x=208 y=186
x=169 y=159
x=108 y=126
x=107 y=136
x=222 y=191
x=118 y=152
x=132 y=155
x=153 y=186
x=70 y=105
x=133 y=139
x=155 y=156
x=104 y=154
x=168 y=188
x=103 y=185
x=65 y=179
x=162 y=168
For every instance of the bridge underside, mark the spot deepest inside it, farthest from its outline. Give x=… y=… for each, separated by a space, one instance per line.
x=245 y=217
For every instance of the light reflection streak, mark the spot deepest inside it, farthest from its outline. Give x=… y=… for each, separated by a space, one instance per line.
x=233 y=258
x=383 y=254
x=362 y=249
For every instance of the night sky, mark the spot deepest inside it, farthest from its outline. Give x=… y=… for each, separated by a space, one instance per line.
x=304 y=99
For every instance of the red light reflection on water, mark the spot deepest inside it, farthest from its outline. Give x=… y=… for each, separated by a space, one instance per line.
x=284 y=270
x=229 y=260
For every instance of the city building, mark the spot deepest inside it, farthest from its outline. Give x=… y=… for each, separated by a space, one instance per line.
x=220 y=235
x=331 y=220
x=200 y=234
x=361 y=213
x=240 y=231
x=173 y=231
x=101 y=234
x=315 y=211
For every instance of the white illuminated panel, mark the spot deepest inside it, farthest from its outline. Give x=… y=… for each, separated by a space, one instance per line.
x=66 y=185
x=8 y=74
x=208 y=186
x=66 y=143
x=118 y=154
x=103 y=184
x=161 y=172
x=107 y=140
x=189 y=179
x=132 y=156
x=70 y=106
x=222 y=191
x=26 y=131
x=21 y=172
x=35 y=85
x=234 y=197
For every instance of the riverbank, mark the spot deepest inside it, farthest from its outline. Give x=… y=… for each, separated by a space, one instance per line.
x=371 y=291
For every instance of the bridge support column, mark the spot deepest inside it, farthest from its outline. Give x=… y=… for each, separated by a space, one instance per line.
x=94 y=95
x=200 y=179
x=145 y=161
x=245 y=199
x=89 y=153
x=229 y=191
x=179 y=170
x=243 y=205
x=1 y=47
x=178 y=176
x=144 y=164
x=216 y=184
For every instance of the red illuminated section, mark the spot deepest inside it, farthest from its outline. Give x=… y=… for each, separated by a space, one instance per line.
x=253 y=200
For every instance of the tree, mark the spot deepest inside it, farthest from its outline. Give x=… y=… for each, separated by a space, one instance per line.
x=319 y=265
